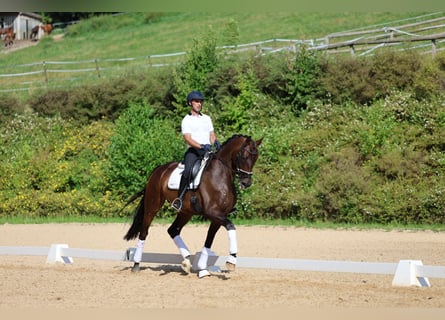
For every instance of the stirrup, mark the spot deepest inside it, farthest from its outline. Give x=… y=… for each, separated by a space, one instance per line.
x=177 y=204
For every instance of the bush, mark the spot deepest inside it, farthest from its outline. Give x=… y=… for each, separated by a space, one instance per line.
x=9 y=105
x=51 y=167
x=235 y=111
x=394 y=70
x=193 y=74
x=302 y=79
x=347 y=79
x=107 y=99
x=140 y=143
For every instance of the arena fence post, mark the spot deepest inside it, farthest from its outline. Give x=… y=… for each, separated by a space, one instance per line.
x=55 y=254
x=406 y=275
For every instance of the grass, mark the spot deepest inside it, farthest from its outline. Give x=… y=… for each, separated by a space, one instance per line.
x=139 y=34
x=238 y=222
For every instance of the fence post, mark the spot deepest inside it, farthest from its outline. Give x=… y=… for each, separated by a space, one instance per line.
x=352 y=49
x=45 y=72
x=97 y=68
x=149 y=60
x=433 y=47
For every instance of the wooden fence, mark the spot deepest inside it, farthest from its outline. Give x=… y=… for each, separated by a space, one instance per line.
x=426 y=35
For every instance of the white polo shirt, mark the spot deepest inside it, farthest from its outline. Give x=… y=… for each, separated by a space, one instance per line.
x=198 y=126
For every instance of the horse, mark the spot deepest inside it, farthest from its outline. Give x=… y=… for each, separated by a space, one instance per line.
x=8 y=35
x=47 y=28
x=213 y=199
x=34 y=33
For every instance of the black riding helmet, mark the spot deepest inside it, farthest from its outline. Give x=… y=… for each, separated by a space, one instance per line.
x=195 y=95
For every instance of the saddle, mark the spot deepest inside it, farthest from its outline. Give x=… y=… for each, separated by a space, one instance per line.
x=197 y=170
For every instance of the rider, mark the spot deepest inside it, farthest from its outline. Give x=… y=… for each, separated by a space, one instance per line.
x=198 y=133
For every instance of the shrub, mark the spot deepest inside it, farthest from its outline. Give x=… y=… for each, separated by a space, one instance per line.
x=394 y=70
x=374 y=131
x=235 y=111
x=342 y=184
x=9 y=105
x=193 y=74
x=140 y=143
x=302 y=79
x=347 y=79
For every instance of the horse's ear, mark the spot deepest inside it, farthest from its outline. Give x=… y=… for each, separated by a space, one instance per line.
x=258 y=142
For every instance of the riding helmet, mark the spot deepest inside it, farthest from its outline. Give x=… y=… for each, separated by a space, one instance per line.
x=195 y=95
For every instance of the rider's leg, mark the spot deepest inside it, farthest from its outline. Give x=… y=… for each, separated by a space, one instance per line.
x=189 y=159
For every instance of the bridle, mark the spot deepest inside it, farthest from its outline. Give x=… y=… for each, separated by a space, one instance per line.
x=238 y=171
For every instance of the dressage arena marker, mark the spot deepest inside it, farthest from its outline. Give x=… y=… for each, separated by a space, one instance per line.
x=406 y=272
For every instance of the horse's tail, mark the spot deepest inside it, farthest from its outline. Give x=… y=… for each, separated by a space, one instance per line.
x=138 y=218
x=133 y=197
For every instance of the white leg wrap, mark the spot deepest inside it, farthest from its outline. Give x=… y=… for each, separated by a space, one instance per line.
x=183 y=250
x=139 y=248
x=204 y=257
x=231 y=259
x=233 y=245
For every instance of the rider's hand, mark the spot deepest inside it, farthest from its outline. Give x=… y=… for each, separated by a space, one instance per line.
x=217 y=145
x=206 y=147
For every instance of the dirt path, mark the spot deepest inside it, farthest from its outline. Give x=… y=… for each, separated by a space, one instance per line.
x=28 y=282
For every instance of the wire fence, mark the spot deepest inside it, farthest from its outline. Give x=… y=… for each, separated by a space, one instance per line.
x=427 y=35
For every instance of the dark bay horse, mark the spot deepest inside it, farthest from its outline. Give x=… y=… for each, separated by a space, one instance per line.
x=34 y=33
x=214 y=199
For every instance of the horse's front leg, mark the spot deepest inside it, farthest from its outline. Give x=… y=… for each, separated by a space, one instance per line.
x=233 y=245
x=205 y=252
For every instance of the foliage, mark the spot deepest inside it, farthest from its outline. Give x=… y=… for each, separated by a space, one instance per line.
x=140 y=143
x=193 y=74
x=51 y=166
x=106 y=99
x=347 y=79
x=9 y=105
x=302 y=79
x=345 y=139
x=235 y=111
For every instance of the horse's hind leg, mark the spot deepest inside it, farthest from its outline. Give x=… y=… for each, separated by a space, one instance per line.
x=148 y=210
x=175 y=233
x=137 y=258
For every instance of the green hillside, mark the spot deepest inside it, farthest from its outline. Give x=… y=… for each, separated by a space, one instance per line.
x=140 y=34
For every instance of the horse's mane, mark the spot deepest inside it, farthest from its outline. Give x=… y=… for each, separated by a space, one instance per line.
x=235 y=136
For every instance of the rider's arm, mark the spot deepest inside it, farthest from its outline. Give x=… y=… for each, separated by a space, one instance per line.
x=192 y=143
x=212 y=137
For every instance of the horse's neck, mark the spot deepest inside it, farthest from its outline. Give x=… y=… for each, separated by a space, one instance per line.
x=227 y=155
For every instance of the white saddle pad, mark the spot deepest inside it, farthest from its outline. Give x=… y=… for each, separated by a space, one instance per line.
x=175 y=177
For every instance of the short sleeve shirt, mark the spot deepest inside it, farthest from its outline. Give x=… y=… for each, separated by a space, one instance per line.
x=199 y=127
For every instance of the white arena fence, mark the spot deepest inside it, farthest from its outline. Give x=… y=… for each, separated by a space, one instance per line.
x=405 y=272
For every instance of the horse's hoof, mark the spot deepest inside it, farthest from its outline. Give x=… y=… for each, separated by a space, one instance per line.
x=203 y=273
x=231 y=263
x=136 y=268
x=186 y=265
x=230 y=266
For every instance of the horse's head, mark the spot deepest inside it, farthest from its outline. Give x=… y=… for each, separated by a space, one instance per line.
x=244 y=161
